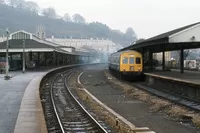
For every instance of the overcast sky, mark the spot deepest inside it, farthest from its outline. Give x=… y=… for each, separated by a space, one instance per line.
x=147 y=17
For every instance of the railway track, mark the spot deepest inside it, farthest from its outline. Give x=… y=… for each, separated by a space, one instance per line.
x=64 y=113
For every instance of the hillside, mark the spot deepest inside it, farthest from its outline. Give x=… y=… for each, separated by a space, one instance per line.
x=17 y=18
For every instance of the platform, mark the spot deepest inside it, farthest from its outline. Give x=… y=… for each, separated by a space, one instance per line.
x=186 y=85
x=191 y=77
x=30 y=118
x=11 y=95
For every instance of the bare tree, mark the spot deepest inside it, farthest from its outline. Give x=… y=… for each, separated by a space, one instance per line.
x=77 y=18
x=17 y=3
x=49 y=12
x=67 y=17
x=130 y=32
x=140 y=40
x=186 y=53
x=13 y=2
x=6 y=2
x=2 y=2
x=32 y=6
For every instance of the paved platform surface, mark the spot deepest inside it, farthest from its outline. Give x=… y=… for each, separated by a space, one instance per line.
x=11 y=93
x=187 y=76
x=31 y=118
x=133 y=110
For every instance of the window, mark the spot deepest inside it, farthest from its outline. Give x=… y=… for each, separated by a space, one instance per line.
x=138 y=60
x=125 y=60
x=116 y=59
x=131 y=60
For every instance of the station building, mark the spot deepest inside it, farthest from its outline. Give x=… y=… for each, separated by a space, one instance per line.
x=39 y=52
x=102 y=45
x=180 y=39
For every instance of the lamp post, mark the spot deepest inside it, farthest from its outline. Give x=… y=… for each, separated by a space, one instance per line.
x=23 y=56
x=7 y=60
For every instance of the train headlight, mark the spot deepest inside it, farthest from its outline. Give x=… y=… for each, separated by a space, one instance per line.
x=131 y=68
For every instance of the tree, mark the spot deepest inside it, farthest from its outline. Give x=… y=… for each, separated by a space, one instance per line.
x=129 y=36
x=31 y=6
x=49 y=12
x=130 y=32
x=13 y=2
x=193 y=54
x=186 y=54
x=2 y=2
x=23 y=20
x=77 y=18
x=140 y=40
x=17 y=3
x=67 y=17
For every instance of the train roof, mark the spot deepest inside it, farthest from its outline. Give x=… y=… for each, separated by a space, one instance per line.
x=124 y=52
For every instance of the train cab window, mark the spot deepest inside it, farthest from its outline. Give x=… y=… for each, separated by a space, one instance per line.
x=125 y=60
x=138 y=60
x=131 y=60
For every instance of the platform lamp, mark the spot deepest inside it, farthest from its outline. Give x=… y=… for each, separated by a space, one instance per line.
x=7 y=60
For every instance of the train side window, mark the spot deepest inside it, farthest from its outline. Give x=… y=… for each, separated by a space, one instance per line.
x=131 y=60
x=125 y=60
x=138 y=60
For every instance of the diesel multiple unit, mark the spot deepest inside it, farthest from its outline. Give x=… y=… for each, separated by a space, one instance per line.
x=126 y=63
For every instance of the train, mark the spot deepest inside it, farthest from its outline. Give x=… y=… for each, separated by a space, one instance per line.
x=127 y=64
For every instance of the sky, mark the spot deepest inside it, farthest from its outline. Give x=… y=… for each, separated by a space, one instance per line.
x=147 y=17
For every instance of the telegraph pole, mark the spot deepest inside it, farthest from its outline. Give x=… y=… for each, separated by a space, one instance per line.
x=7 y=60
x=23 y=56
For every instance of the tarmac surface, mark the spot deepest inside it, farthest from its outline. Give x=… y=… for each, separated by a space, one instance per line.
x=133 y=110
x=11 y=93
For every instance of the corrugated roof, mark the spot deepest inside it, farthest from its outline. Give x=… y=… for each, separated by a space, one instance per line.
x=169 y=33
x=162 y=37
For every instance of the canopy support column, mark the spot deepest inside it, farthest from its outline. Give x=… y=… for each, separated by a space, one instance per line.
x=38 y=59
x=182 y=60
x=163 y=60
x=63 y=59
x=30 y=56
x=142 y=58
x=45 y=60
x=151 y=60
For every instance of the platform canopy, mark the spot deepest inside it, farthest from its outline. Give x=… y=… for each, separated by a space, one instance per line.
x=32 y=43
x=187 y=37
